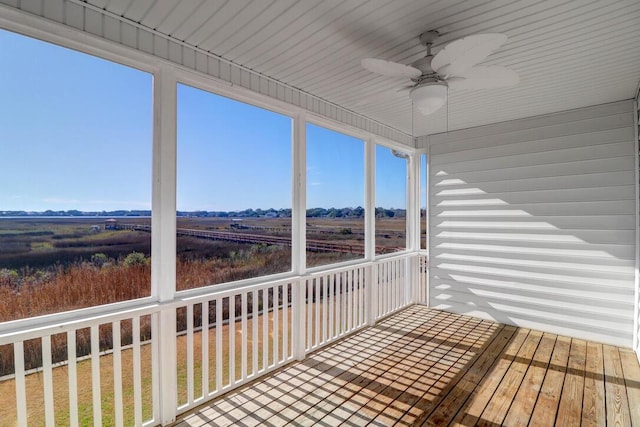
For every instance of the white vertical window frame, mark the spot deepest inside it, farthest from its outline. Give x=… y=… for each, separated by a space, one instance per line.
x=163 y=217
x=163 y=237
x=369 y=199
x=413 y=202
x=370 y=289
x=299 y=194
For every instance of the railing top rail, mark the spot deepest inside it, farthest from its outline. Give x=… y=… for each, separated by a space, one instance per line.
x=227 y=290
x=354 y=265
x=21 y=333
x=24 y=329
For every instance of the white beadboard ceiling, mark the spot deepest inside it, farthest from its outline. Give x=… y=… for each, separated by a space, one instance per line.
x=569 y=53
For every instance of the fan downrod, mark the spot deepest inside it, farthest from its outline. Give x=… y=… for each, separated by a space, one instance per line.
x=424 y=64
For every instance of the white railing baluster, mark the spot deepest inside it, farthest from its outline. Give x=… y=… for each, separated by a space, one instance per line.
x=232 y=340
x=219 y=344
x=422 y=297
x=382 y=290
x=364 y=272
x=265 y=329
x=371 y=295
x=349 y=300
x=204 y=342
x=190 y=355
x=95 y=375
x=117 y=374
x=338 y=305
x=285 y=322
x=243 y=336
x=356 y=298
x=393 y=285
x=316 y=289
x=254 y=333
x=347 y=307
x=47 y=381
x=21 y=393
x=155 y=364
x=321 y=301
x=404 y=283
x=353 y=315
x=340 y=301
x=394 y=288
x=137 y=371
x=386 y=288
x=344 y=276
x=325 y=307
x=276 y=325
x=332 y=304
x=309 y=309
x=72 y=373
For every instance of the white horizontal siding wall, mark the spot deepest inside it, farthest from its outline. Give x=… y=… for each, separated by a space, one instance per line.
x=94 y=21
x=532 y=222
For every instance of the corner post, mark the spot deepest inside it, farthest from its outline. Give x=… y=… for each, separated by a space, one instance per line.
x=299 y=237
x=163 y=243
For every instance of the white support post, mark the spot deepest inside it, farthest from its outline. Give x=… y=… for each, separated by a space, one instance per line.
x=369 y=200
x=299 y=235
x=299 y=338
x=163 y=240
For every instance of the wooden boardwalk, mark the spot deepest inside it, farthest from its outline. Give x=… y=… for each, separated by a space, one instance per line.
x=427 y=367
x=239 y=237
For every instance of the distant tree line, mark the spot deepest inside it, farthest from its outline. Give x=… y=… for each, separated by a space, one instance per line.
x=357 y=212
x=74 y=212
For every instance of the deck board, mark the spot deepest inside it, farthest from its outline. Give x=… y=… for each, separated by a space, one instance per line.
x=632 y=382
x=593 y=408
x=427 y=367
x=616 y=393
x=570 y=409
x=499 y=404
x=527 y=393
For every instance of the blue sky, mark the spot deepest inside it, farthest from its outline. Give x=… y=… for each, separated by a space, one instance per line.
x=76 y=133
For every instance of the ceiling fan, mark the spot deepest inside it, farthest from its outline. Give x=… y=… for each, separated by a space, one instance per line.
x=454 y=67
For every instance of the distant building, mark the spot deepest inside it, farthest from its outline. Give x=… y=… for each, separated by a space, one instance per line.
x=110 y=224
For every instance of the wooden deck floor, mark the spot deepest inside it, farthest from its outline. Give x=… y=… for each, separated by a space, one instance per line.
x=427 y=367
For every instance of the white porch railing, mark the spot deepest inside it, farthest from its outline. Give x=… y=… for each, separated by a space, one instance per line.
x=110 y=366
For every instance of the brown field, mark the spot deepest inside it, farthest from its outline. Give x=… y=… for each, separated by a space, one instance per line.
x=51 y=264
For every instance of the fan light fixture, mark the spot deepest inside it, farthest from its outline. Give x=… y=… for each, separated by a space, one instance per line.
x=430 y=97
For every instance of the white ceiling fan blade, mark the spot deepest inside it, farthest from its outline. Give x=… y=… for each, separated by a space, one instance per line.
x=460 y=55
x=392 y=69
x=484 y=78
